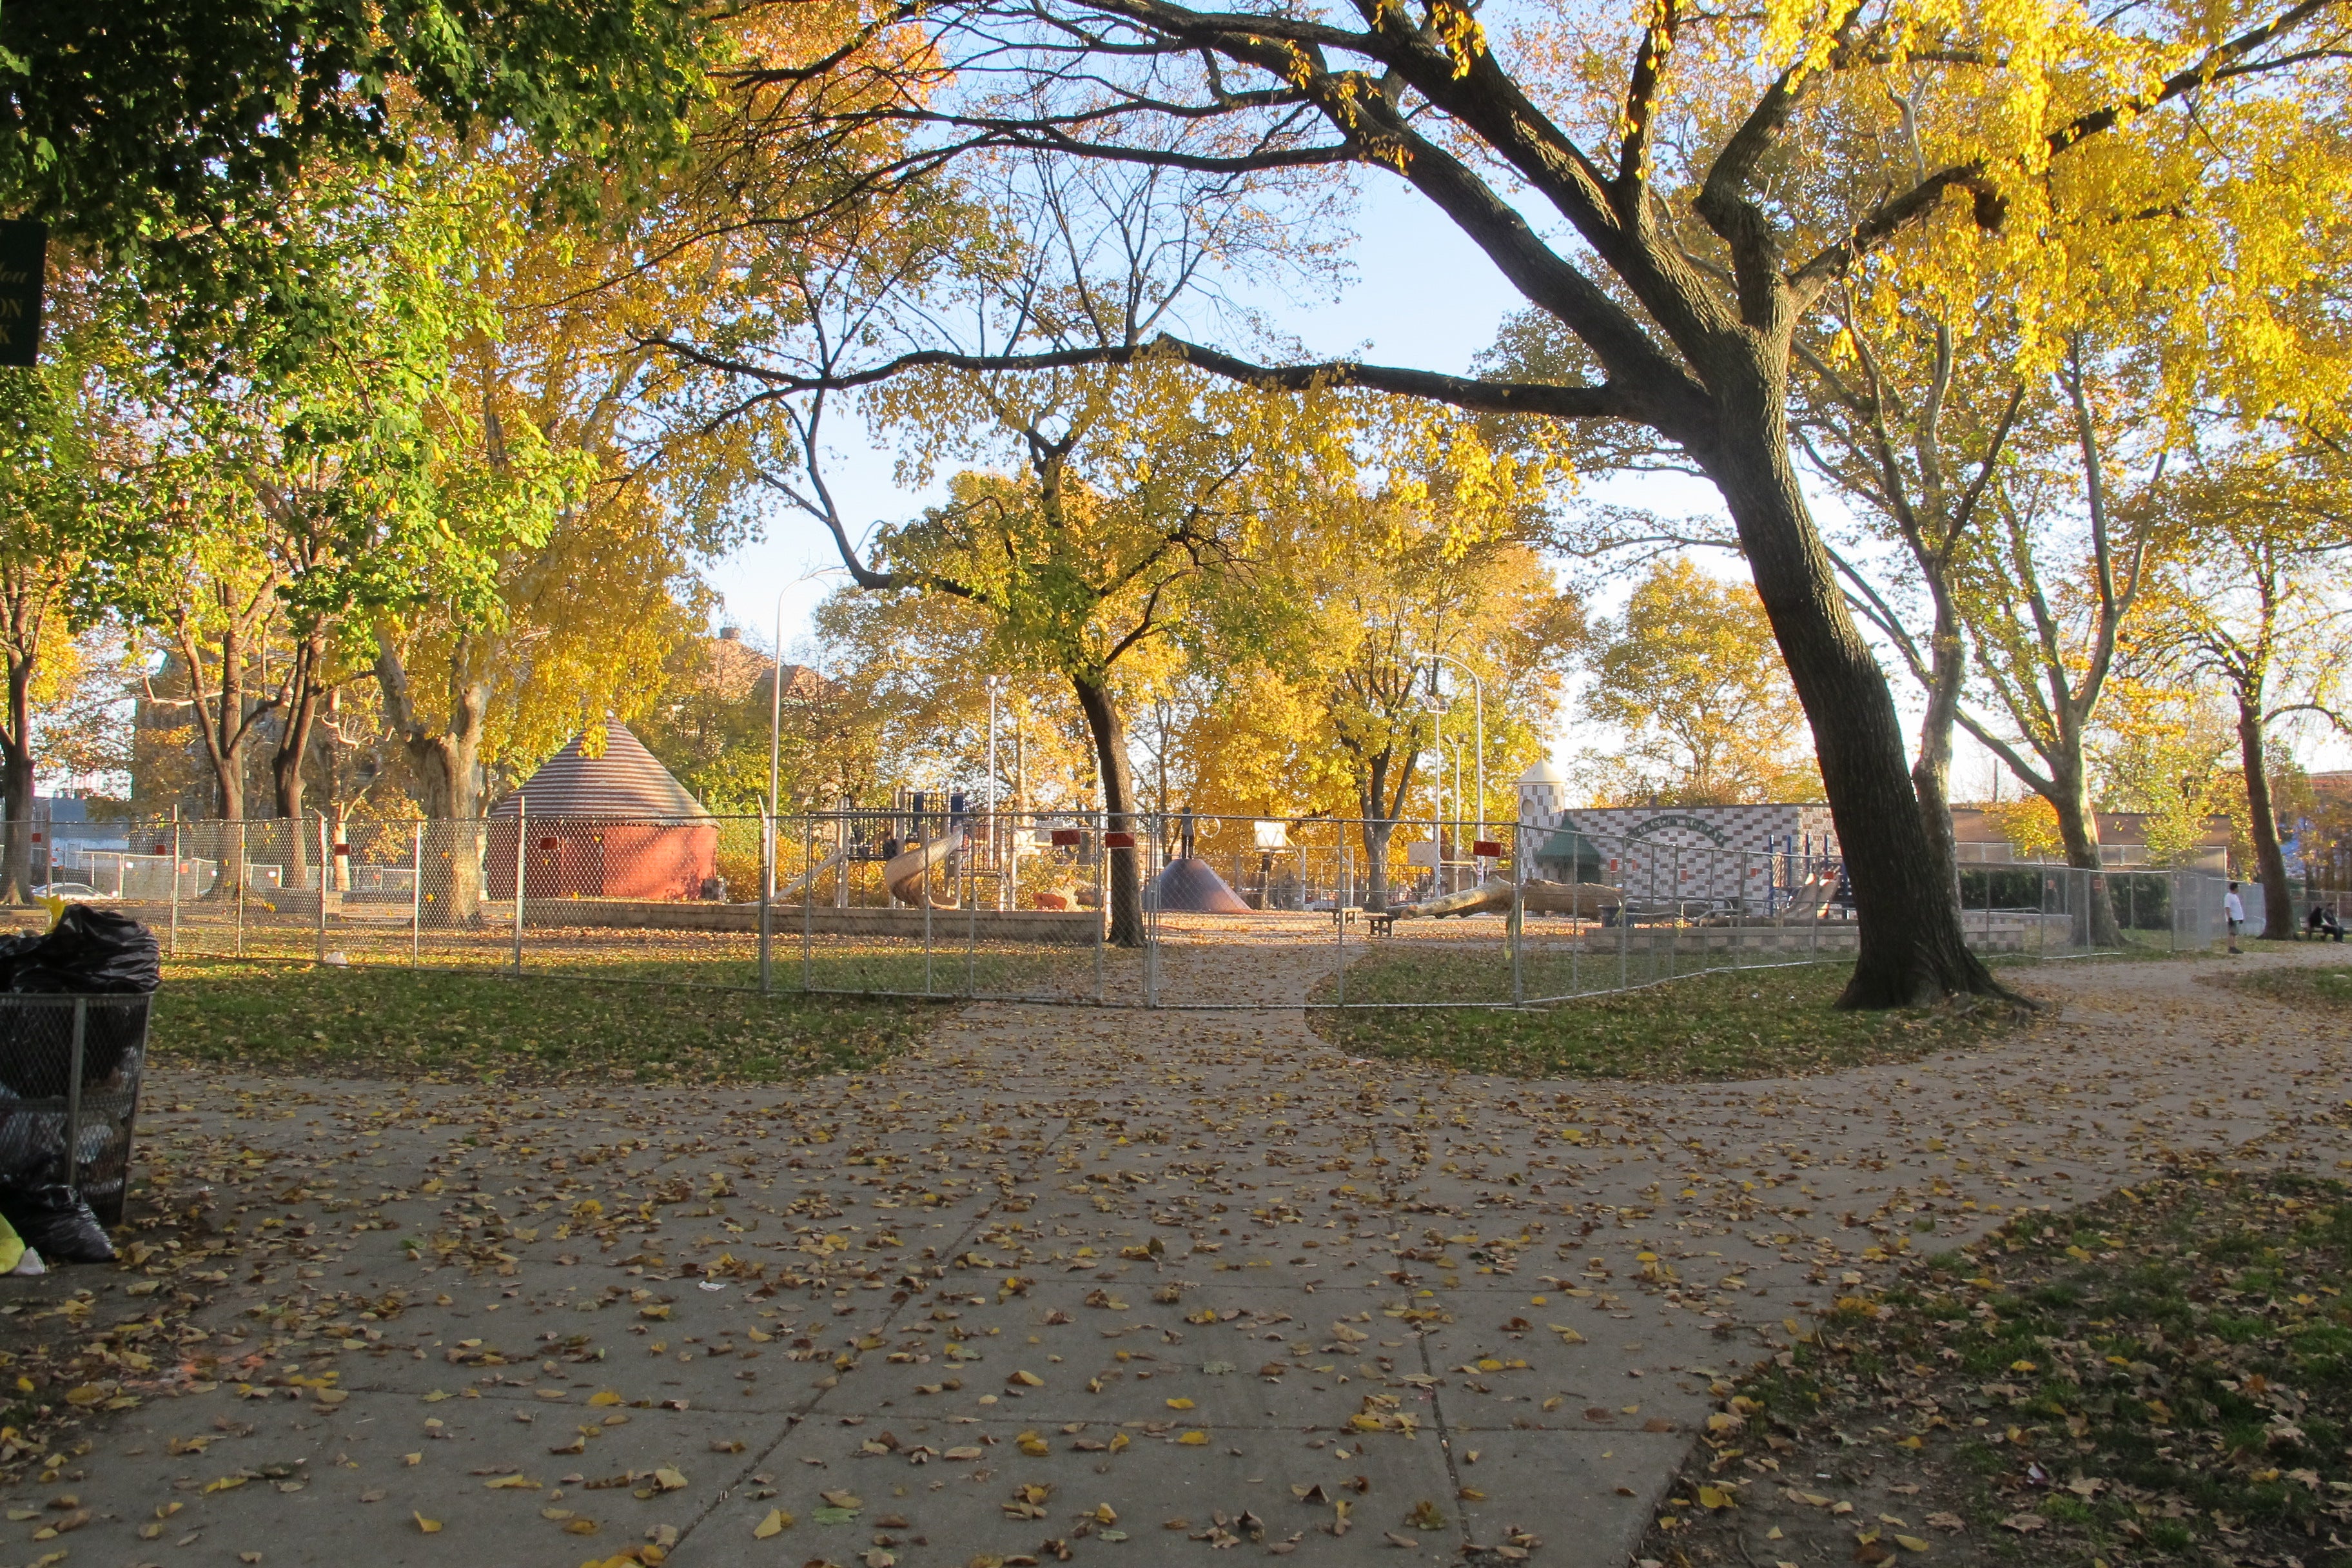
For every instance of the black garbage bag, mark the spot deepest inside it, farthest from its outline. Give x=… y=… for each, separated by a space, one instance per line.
x=55 y=1222
x=90 y=952
x=90 y=949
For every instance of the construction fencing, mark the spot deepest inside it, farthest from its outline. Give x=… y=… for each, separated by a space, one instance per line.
x=1161 y=910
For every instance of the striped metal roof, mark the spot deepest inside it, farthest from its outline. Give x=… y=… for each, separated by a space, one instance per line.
x=626 y=780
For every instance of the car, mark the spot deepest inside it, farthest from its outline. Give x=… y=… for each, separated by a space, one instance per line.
x=71 y=892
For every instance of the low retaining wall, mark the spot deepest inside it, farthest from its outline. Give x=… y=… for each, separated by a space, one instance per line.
x=1070 y=928
x=2025 y=932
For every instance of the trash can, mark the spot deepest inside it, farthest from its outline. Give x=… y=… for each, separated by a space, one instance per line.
x=70 y=1069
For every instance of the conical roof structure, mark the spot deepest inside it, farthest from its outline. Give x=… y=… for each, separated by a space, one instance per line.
x=1191 y=887
x=626 y=780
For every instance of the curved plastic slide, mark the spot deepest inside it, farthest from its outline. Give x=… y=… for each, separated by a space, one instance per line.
x=906 y=871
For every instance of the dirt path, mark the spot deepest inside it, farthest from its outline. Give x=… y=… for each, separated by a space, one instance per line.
x=1063 y=1279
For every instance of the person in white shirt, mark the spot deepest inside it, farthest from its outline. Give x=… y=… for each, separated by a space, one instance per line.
x=2233 y=908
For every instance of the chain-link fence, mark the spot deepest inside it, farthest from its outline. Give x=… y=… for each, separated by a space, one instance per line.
x=1152 y=909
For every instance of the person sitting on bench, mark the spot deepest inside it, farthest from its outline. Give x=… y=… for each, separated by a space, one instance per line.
x=2322 y=921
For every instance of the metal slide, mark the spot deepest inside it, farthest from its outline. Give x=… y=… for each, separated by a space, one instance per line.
x=905 y=873
x=799 y=884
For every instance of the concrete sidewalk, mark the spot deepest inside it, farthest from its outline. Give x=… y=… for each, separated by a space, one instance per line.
x=1065 y=1285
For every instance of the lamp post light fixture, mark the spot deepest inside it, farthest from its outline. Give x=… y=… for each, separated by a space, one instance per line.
x=1478 y=710
x=995 y=836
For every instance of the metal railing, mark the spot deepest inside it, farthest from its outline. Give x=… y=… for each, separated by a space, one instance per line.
x=1161 y=911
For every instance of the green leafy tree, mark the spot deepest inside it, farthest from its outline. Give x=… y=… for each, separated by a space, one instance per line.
x=1692 y=678
x=181 y=132
x=1647 y=206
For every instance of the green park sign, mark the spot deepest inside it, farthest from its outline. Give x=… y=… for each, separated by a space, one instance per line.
x=23 y=267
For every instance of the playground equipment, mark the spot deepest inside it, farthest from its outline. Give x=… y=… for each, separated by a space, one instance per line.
x=1585 y=900
x=906 y=871
x=793 y=888
x=1190 y=885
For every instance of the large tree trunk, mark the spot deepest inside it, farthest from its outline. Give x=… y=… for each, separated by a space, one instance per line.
x=293 y=751
x=1109 y=736
x=1931 y=773
x=2269 y=861
x=2078 y=832
x=1378 y=827
x=1910 y=949
x=1376 y=832
x=16 y=786
x=449 y=768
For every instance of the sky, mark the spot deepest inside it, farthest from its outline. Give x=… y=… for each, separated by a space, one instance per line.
x=1421 y=295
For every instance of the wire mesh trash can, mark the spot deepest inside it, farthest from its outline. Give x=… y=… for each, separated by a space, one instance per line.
x=71 y=1068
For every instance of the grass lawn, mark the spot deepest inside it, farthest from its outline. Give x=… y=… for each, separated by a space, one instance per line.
x=1751 y=1022
x=398 y=1022
x=2325 y=988
x=2165 y=1376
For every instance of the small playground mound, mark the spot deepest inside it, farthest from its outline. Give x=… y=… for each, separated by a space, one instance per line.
x=1190 y=885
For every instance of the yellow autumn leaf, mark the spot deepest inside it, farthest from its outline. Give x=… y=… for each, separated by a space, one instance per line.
x=1717 y=1497
x=1910 y=1543
x=1194 y=1440
x=429 y=1526
x=1179 y=1405
x=603 y=1397
x=1027 y=1380
x=511 y=1483
x=776 y=1524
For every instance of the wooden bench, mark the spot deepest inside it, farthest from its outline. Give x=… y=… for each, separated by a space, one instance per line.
x=1382 y=923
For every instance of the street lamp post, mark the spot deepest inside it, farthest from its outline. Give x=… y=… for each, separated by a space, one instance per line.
x=775 y=734
x=996 y=838
x=1478 y=708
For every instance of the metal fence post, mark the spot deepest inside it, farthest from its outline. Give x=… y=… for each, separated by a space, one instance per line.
x=172 y=946
x=1624 y=917
x=1149 y=913
x=73 y=1096
x=971 y=911
x=1519 y=940
x=522 y=860
x=244 y=875
x=808 y=895
x=923 y=890
x=1102 y=908
x=768 y=898
x=417 y=896
x=322 y=887
x=1339 y=916
x=1674 y=926
x=2042 y=916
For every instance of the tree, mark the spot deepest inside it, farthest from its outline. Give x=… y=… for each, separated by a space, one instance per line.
x=2158 y=750
x=1147 y=493
x=58 y=435
x=173 y=131
x=1687 y=328
x=907 y=702
x=2251 y=601
x=1690 y=675
x=2049 y=595
x=1397 y=574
